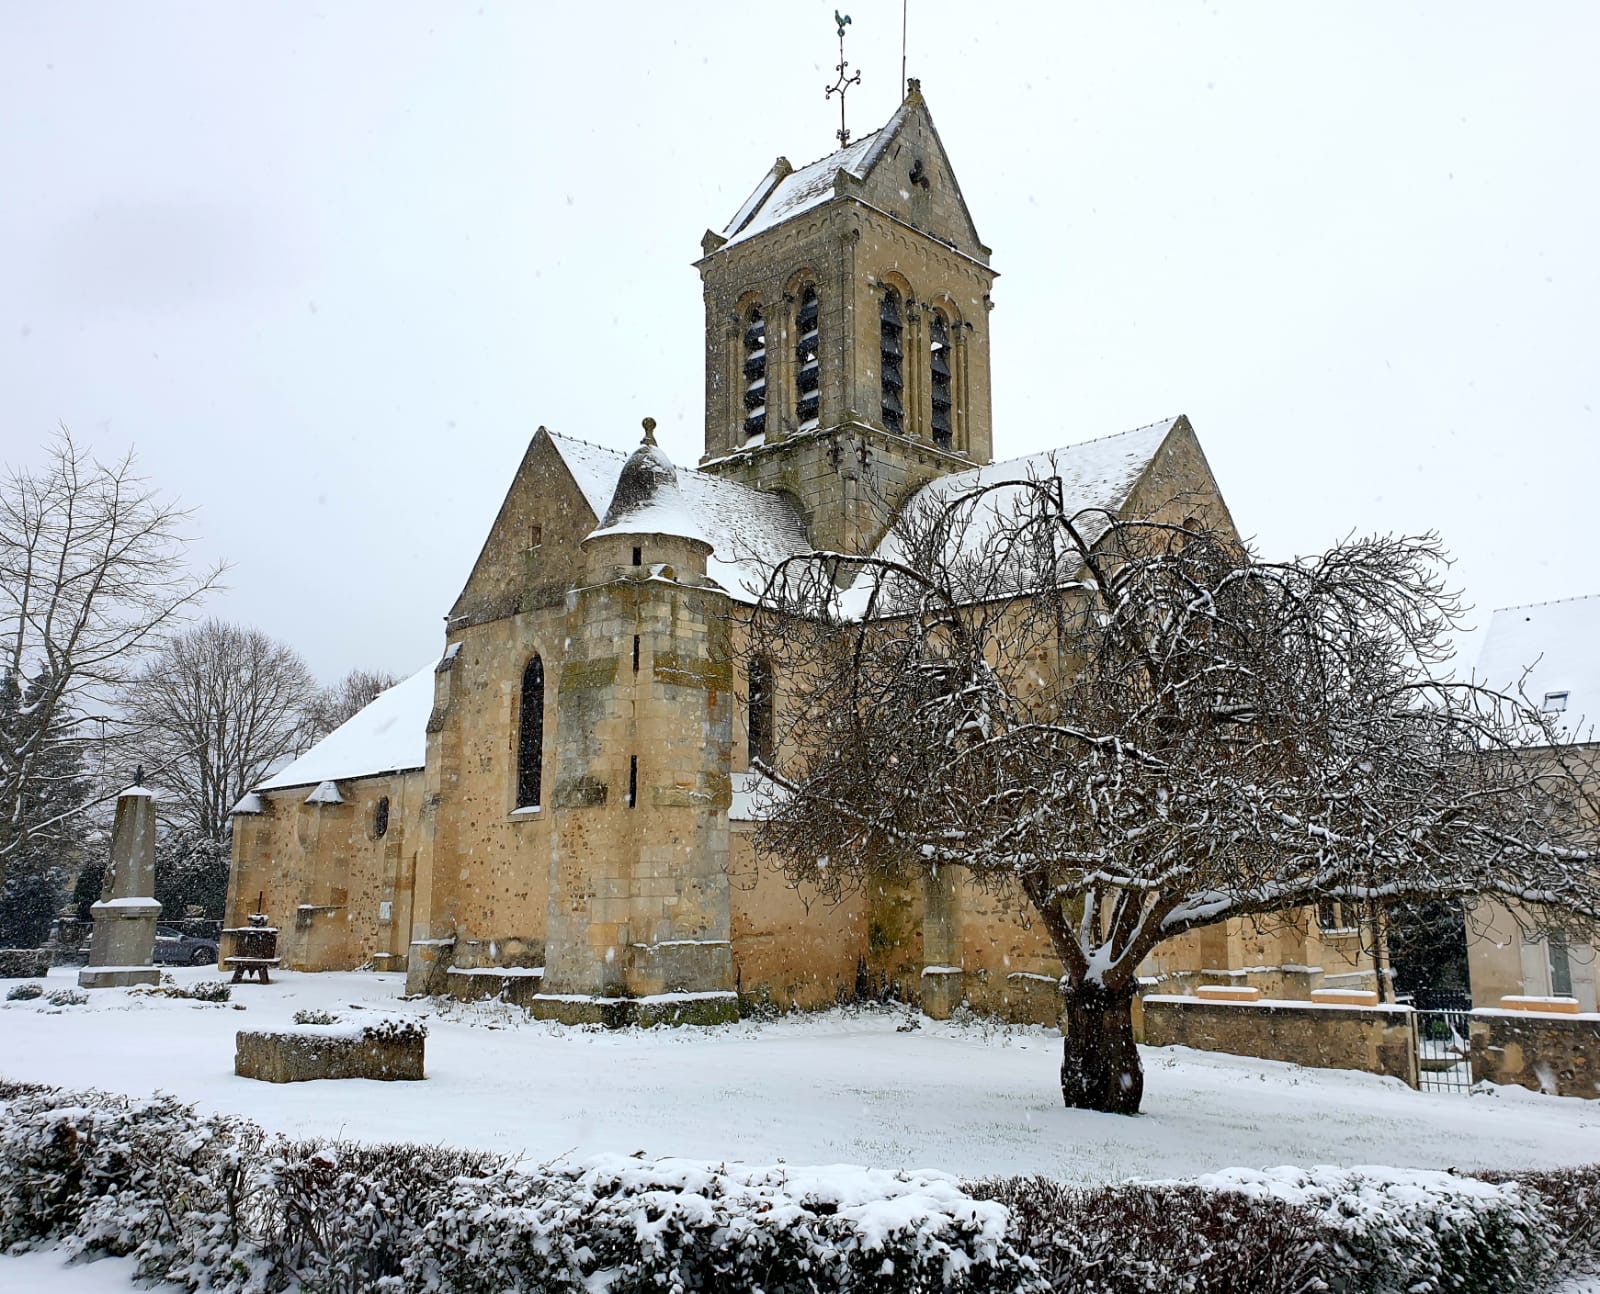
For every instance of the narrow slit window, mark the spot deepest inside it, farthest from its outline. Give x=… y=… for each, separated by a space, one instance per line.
x=808 y=376
x=380 y=816
x=636 y=653
x=939 y=363
x=530 y=736
x=760 y=717
x=891 y=356
x=638 y=557
x=633 y=780
x=755 y=375
x=1560 y=964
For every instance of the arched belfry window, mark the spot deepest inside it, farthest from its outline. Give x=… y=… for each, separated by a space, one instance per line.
x=940 y=384
x=890 y=333
x=808 y=376
x=760 y=723
x=755 y=374
x=530 y=736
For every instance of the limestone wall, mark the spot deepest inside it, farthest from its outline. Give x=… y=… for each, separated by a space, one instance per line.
x=791 y=946
x=1375 y=1039
x=339 y=894
x=1558 y=1054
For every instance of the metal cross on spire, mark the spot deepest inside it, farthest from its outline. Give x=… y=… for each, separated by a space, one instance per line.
x=844 y=82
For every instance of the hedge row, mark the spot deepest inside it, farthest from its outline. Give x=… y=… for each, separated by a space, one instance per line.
x=216 y=1203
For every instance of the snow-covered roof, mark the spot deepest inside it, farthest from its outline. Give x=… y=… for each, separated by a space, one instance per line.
x=387 y=736
x=326 y=793
x=647 y=500
x=779 y=197
x=1558 y=644
x=749 y=530
x=1097 y=478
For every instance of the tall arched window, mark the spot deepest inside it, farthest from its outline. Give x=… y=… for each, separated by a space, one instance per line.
x=761 y=712
x=808 y=377
x=889 y=333
x=939 y=365
x=755 y=374
x=530 y=736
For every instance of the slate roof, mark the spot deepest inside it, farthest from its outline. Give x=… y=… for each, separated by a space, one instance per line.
x=1558 y=644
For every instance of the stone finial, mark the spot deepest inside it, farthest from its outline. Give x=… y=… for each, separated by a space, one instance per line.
x=913 y=86
x=649 y=425
x=138 y=775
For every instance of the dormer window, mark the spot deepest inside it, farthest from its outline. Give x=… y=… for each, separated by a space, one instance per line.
x=755 y=374
x=808 y=377
x=892 y=353
x=1555 y=702
x=939 y=363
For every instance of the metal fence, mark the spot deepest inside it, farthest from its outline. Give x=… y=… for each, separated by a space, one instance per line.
x=1444 y=1050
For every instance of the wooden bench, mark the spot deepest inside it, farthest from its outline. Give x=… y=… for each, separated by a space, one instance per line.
x=243 y=967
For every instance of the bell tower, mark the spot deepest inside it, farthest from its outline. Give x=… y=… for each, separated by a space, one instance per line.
x=847 y=331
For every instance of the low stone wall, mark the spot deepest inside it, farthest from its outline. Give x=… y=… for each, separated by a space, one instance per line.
x=24 y=963
x=387 y=1050
x=515 y=984
x=1377 y=1040
x=1558 y=1054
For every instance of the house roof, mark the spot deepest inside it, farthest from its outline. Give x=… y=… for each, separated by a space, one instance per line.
x=389 y=735
x=1546 y=649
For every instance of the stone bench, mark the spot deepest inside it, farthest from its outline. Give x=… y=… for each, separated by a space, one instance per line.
x=386 y=1049
x=244 y=967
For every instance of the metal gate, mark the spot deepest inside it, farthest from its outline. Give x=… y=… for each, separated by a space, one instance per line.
x=1444 y=1050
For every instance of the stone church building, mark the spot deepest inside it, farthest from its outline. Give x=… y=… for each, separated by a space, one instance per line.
x=560 y=808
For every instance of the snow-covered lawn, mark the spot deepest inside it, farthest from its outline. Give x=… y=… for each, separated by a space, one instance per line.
x=839 y=1087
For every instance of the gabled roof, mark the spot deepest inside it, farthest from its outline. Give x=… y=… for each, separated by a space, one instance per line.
x=1558 y=645
x=749 y=530
x=785 y=193
x=388 y=736
x=1098 y=479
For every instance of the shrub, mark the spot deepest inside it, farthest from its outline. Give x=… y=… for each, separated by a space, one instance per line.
x=309 y=1016
x=66 y=997
x=25 y=993
x=1148 y=1238
x=207 y=990
x=1408 y=1231
x=1572 y=1201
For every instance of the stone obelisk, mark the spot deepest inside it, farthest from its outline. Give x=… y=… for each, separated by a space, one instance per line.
x=122 y=951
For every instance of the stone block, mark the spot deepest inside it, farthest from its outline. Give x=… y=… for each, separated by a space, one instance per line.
x=1540 y=1005
x=387 y=1050
x=1227 y=993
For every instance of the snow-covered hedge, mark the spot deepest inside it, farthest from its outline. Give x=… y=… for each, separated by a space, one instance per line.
x=213 y=1203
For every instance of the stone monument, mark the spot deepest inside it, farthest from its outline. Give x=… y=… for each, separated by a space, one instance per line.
x=122 y=951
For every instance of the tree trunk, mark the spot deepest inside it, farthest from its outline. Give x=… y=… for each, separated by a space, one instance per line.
x=1100 y=1067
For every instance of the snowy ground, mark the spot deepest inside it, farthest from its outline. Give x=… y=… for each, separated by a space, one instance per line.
x=838 y=1087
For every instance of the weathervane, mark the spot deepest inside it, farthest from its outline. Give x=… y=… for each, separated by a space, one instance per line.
x=844 y=82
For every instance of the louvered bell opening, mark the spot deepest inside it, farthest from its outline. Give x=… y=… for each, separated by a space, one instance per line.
x=755 y=336
x=891 y=374
x=807 y=409
x=891 y=403
x=941 y=366
x=889 y=311
x=756 y=365
x=889 y=345
x=809 y=378
x=756 y=423
x=755 y=395
x=807 y=318
x=941 y=423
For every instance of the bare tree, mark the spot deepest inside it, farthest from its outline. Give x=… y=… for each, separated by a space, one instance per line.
x=216 y=707
x=1144 y=729
x=346 y=698
x=92 y=573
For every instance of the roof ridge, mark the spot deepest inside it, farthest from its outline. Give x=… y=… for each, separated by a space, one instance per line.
x=1548 y=602
x=1077 y=444
x=854 y=143
x=579 y=440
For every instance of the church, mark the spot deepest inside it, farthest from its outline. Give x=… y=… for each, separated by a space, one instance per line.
x=560 y=808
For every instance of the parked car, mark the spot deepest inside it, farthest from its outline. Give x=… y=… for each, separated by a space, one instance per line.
x=174 y=948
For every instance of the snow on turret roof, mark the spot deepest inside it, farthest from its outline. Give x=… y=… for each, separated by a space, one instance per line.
x=1558 y=644
x=749 y=530
x=387 y=736
x=647 y=500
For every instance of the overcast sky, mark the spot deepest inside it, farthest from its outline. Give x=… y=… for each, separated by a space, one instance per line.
x=327 y=267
